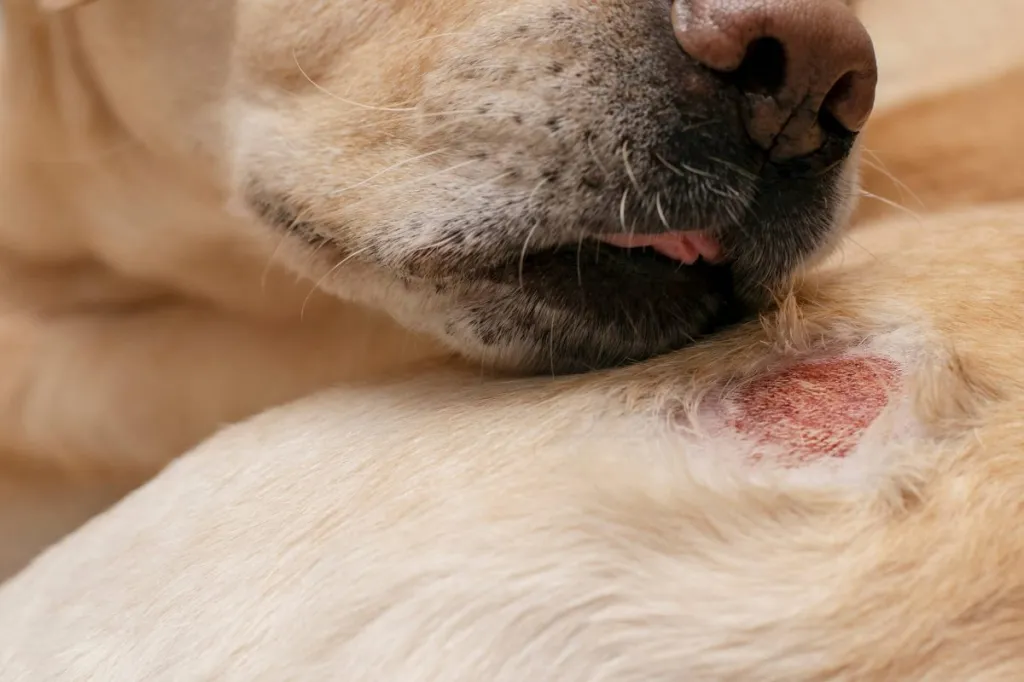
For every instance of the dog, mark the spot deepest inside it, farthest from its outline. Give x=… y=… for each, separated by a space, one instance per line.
x=696 y=516
x=207 y=213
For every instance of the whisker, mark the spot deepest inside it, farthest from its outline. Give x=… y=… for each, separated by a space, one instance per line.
x=489 y=181
x=353 y=103
x=749 y=175
x=661 y=211
x=405 y=184
x=691 y=169
x=536 y=224
x=311 y=257
x=421 y=115
x=622 y=211
x=432 y=36
x=697 y=125
x=629 y=171
x=444 y=240
x=879 y=165
x=283 y=237
x=435 y=36
x=830 y=167
x=265 y=275
x=390 y=168
x=522 y=253
x=893 y=204
x=861 y=247
x=728 y=193
x=316 y=285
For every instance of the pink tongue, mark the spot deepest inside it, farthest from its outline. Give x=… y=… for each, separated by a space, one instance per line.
x=685 y=247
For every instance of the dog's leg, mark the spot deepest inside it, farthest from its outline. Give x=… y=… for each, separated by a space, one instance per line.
x=128 y=390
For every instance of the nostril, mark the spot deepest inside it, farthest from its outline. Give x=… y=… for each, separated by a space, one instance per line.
x=805 y=68
x=763 y=69
x=828 y=117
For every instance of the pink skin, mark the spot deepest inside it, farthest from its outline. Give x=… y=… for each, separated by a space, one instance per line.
x=685 y=247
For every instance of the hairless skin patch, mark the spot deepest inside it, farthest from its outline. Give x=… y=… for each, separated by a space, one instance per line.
x=834 y=415
x=813 y=409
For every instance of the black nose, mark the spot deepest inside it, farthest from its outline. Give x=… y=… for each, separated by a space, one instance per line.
x=805 y=67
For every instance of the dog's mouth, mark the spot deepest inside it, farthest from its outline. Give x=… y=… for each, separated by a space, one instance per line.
x=616 y=264
x=604 y=300
x=685 y=247
x=676 y=249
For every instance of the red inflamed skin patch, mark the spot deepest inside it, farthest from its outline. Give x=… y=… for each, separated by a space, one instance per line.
x=814 y=409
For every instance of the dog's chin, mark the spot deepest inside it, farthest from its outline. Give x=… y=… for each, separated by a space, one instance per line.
x=585 y=306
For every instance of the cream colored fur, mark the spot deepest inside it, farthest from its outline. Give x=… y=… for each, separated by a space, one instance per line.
x=557 y=530
x=419 y=531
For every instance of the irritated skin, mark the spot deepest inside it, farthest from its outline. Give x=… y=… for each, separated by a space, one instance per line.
x=815 y=409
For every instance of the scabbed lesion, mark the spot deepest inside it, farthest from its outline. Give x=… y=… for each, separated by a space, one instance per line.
x=827 y=408
x=813 y=409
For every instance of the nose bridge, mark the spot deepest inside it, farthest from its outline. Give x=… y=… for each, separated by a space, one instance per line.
x=826 y=64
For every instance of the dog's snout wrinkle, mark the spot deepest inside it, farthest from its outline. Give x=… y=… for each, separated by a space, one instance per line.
x=806 y=68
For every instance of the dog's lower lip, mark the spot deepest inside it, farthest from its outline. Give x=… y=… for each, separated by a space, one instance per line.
x=684 y=246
